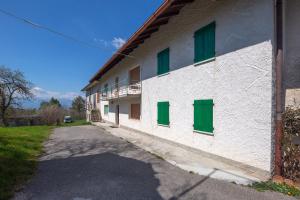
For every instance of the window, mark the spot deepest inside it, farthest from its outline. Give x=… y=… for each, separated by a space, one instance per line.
x=163 y=62
x=104 y=94
x=135 y=111
x=106 y=109
x=204 y=43
x=203 y=115
x=163 y=113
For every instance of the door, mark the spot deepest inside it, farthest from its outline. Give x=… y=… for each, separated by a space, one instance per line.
x=117 y=114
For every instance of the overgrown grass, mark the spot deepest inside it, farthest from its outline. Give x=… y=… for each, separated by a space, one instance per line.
x=19 y=149
x=77 y=123
x=277 y=187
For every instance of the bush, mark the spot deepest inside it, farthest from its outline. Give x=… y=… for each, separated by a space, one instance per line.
x=52 y=115
x=77 y=115
x=291 y=152
x=96 y=115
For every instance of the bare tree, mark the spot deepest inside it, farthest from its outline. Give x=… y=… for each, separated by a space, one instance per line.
x=52 y=114
x=14 y=89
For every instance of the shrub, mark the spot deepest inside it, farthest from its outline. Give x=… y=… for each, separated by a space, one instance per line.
x=52 y=115
x=291 y=152
x=96 y=115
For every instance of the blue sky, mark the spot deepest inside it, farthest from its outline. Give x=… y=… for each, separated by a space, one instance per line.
x=54 y=64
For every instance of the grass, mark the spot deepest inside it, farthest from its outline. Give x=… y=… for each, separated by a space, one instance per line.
x=19 y=150
x=76 y=123
x=277 y=187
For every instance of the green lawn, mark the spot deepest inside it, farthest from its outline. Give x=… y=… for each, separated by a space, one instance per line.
x=77 y=123
x=19 y=150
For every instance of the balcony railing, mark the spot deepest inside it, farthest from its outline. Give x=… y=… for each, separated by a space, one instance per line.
x=125 y=90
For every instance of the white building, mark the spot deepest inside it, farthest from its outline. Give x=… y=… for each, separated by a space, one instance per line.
x=202 y=73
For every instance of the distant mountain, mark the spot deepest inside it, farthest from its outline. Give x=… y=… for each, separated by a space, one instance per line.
x=65 y=98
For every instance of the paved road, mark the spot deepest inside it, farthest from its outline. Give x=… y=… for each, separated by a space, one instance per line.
x=86 y=163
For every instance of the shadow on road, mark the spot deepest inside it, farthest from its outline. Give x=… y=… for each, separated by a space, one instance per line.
x=101 y=176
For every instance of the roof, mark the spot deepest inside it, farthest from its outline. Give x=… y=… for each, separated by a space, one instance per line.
x=160 y=17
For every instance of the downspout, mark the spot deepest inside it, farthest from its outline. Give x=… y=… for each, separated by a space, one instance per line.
x=278 y=89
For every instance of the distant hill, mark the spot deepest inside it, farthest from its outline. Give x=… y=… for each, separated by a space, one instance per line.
x=65 y=98
x=36 y=103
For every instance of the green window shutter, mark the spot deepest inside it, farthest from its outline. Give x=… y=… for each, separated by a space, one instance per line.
x=203 y=115
x=163 y=113
x=204 y=43
x=106 y=109
x=163 y=61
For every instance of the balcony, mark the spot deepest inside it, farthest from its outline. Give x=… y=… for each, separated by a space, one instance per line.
x=125 y=90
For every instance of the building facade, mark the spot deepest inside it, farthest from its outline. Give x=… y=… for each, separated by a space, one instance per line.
x=204 y=79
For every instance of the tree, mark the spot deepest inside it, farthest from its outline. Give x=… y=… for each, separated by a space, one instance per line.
x=52 y=102
x=14 y=89
x=78 y=107
x=78 y=104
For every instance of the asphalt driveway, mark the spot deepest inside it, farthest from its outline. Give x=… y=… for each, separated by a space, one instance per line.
x=86 y=163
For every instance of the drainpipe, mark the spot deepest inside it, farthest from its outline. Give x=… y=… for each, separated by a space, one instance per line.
x=278 y=89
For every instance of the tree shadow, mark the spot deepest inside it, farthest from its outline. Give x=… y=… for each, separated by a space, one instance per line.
x=101 y=176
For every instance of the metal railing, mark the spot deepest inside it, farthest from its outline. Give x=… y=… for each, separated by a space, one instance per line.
x=130 y=89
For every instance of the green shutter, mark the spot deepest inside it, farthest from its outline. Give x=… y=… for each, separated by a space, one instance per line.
x=106 y=109
x=163 y=113
x=163 y=61
x=204 y=43
x=203 y=115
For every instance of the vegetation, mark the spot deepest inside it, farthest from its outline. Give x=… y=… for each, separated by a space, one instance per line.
x=51 y=112
x=19 y=149
x=78 y=108
x=14 y=88
x=51 y=102
x=277 y=187
x=77 y=123
x=291 y=152
x=52 y=115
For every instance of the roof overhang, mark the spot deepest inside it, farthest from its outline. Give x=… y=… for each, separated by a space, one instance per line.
x=160 y=17
x=89 y=86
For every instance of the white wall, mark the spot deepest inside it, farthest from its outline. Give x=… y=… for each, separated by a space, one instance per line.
x=239 y=80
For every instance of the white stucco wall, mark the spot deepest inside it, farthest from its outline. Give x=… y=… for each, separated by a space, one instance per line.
x=239 y=80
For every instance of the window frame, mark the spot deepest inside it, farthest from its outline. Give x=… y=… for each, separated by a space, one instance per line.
x=161 y=69
x=206 y=111
x=106 y=106
x=203 y=34
x=160 y=115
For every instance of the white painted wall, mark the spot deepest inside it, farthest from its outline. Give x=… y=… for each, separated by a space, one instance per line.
x=239 y=80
